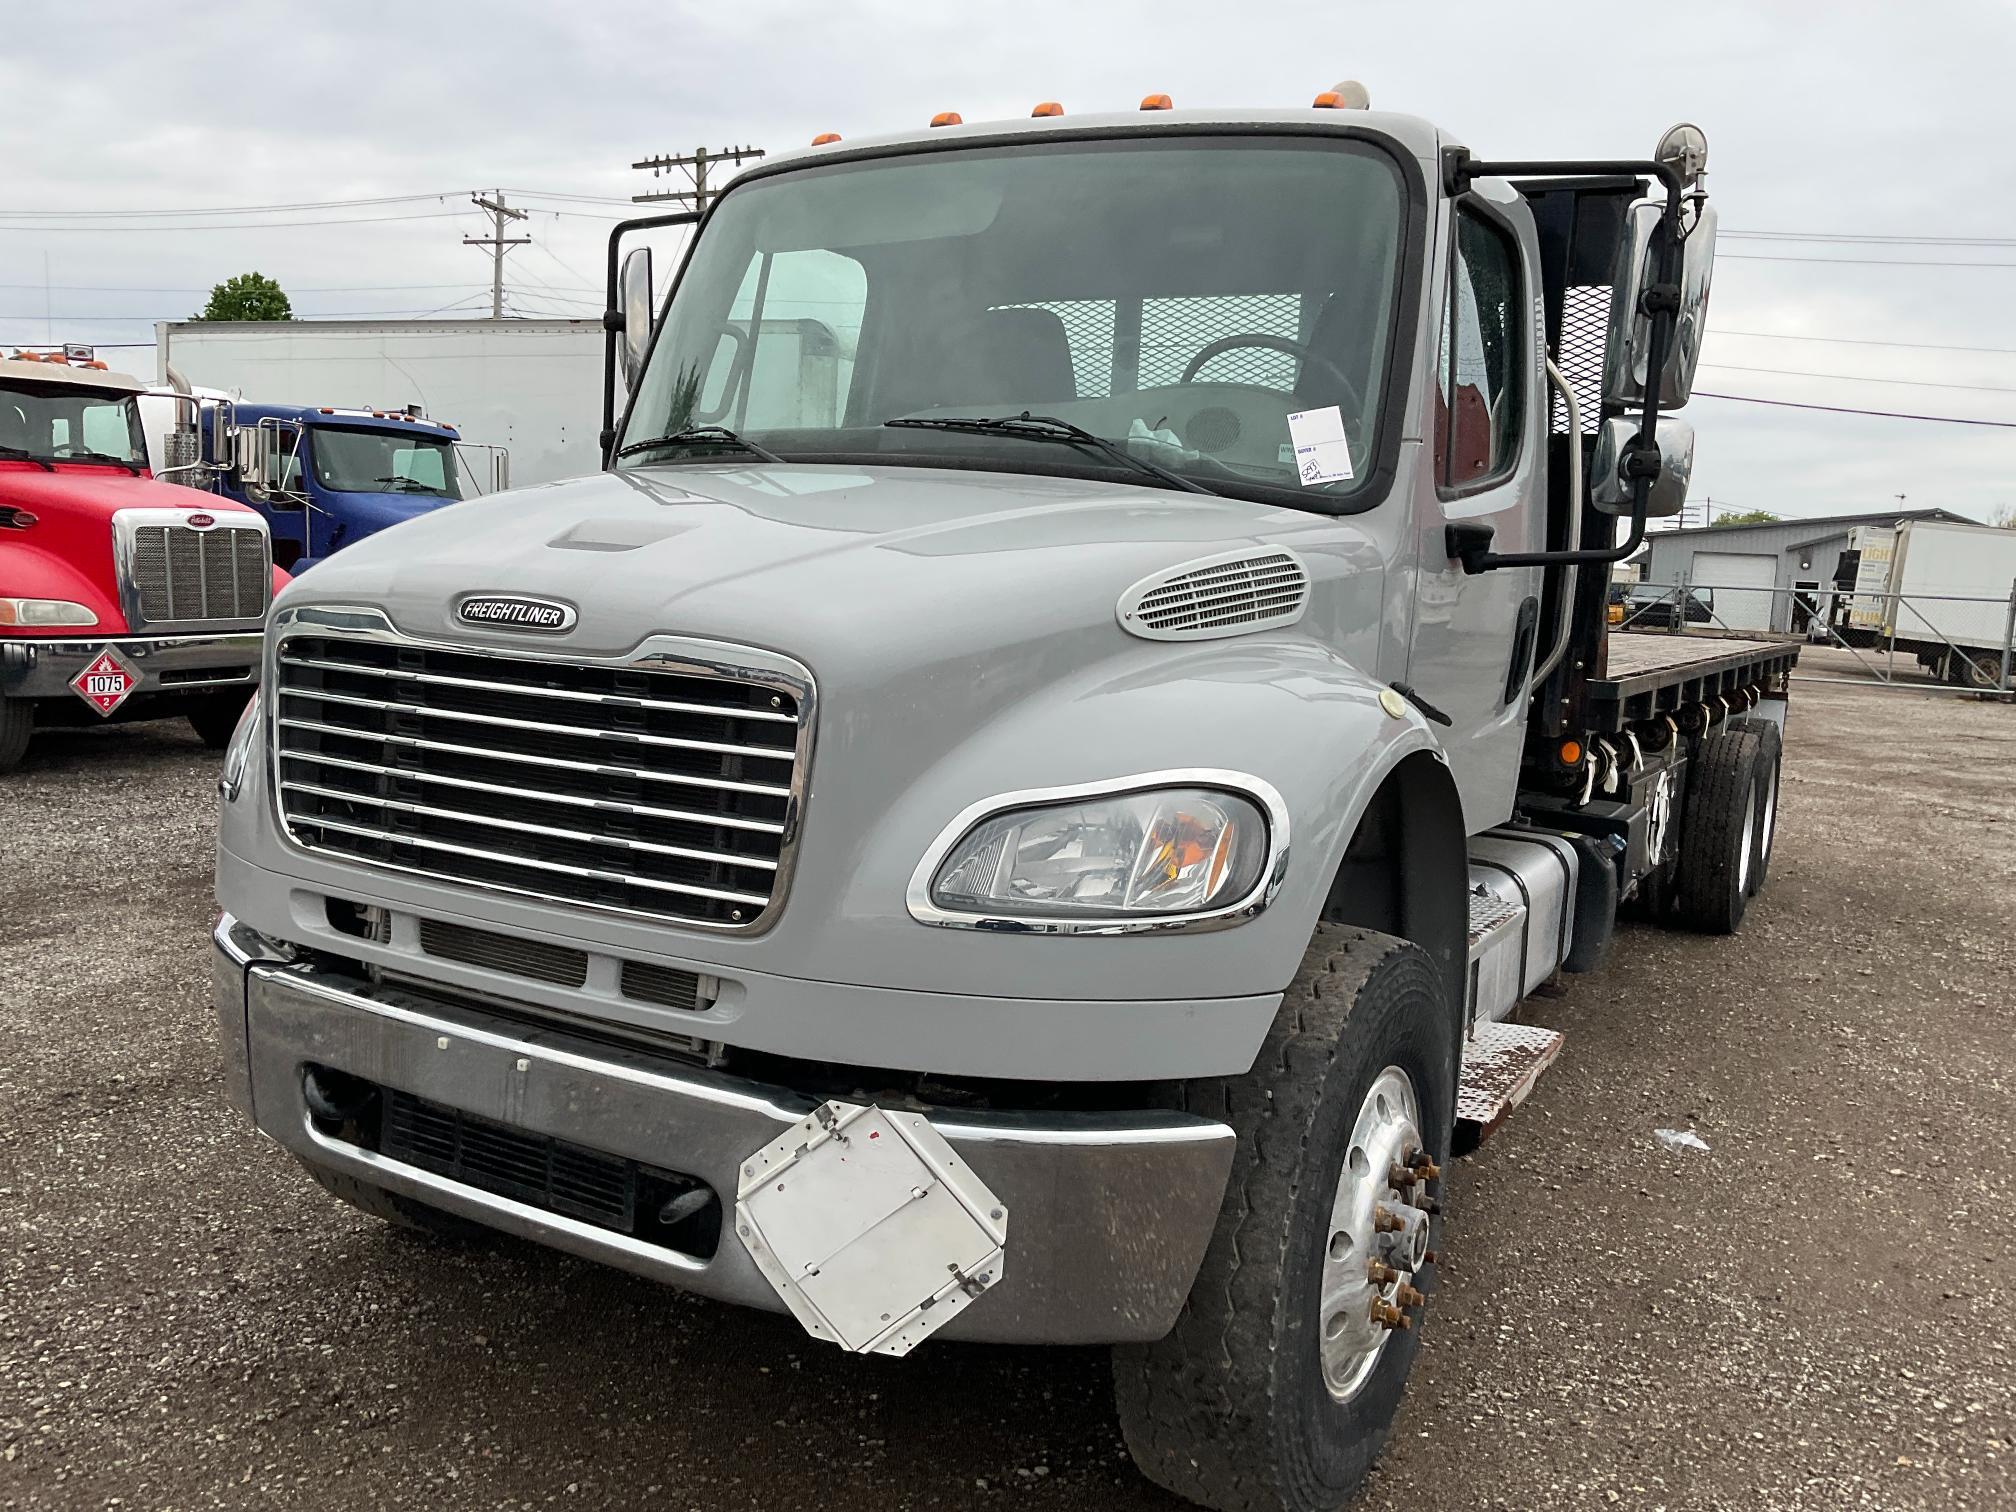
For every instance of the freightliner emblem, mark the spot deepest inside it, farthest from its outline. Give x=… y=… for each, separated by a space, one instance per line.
x=508 y=611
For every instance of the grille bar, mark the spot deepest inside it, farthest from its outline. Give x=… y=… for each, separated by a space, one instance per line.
x=372 y=832
x=460 y=816
x=623 y=737
x=610 y=700
x=607 y=805
x=666 y=789
x=595 y=768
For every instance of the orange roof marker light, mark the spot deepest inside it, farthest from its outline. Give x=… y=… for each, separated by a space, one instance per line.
x=947 y=118
x=1156 y=102
x=1047 y=108
x=1348 y=95
x=825 y=137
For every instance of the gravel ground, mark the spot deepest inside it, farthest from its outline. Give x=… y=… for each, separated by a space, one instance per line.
x=1813 y=1314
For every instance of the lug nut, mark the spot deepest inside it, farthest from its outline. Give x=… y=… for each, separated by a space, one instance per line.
x=1428 y=1205
x=1425 y=1168
x=1386 y=1315
x=1384 y=1222
x=1399 y=1176
x=1408 y=1297
x=1381 y=1274
x=1429 y=1257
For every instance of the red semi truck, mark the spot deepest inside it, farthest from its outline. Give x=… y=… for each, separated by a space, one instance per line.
x=121 y=596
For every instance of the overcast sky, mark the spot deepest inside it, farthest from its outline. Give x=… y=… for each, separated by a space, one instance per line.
x=1848 y=120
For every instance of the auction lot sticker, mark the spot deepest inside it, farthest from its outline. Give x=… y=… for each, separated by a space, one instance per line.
x=107 y=682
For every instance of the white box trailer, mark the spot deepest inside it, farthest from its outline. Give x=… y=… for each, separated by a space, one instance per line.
x=1953 y=583
x=532 y=386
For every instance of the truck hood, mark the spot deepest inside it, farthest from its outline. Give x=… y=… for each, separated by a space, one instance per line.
x=857 y=572
x=94 y=491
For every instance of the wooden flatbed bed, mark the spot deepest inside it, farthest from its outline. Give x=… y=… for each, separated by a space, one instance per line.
x=1651 y=672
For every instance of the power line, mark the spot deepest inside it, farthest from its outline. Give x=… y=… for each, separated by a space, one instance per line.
x=1872 y=237
x=1978 y=388
x=358 y=220
x=1919 y=346
x=1841 y=409
x=1861 y=262
x=342 y=204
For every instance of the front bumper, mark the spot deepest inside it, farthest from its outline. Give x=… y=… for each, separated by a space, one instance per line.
x=43 y=668
x=1110 y=1212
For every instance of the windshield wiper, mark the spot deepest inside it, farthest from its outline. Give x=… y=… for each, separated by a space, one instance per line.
x=106 y=457
x=25 y=455
x=414 y=485
x=700 y=435
x=1049 y=428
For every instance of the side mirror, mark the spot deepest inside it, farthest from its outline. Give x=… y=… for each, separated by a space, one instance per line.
x=1610 y=490
x=635 y=286
x=1630 y=336
x=250 y=455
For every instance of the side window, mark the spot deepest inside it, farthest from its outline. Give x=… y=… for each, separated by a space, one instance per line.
x=787 y=356
x=1482 y=398
x=104 y=427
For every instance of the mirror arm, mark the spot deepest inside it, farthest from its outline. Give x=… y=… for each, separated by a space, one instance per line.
x=612 y=314
x=1661 y=302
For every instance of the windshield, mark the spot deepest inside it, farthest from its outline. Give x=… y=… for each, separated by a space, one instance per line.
x=362 y=461
x=1182 y=296
x=71 y=424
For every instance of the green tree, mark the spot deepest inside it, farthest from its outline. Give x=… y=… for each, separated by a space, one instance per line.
x=1746 y=517
x=249 y=296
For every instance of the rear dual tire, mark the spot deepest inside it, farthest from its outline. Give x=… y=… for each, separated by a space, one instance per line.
x=1267 y=1395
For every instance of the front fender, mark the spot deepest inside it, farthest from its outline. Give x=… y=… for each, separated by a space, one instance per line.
x=33 y=572
x=1290 y=712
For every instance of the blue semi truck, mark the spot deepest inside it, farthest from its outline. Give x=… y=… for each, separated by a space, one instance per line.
x=325 y=477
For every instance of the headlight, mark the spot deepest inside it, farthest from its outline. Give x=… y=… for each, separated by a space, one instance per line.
x=1125 y=856
x=239 y=751
x=22 y=611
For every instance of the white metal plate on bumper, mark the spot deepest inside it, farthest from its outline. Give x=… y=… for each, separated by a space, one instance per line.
x=870 y=1227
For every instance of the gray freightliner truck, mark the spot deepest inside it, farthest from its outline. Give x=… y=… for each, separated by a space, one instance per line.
x=1022 y=803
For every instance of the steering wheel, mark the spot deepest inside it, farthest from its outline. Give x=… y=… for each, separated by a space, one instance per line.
x=1282 y=344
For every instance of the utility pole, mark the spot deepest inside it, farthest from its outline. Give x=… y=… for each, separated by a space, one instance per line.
x=498 y=243
x=695 y=164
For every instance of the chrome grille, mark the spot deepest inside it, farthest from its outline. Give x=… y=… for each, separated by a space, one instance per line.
x=618 y=786
x=182 y=574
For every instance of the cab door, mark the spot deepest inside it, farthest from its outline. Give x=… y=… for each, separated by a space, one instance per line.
x=1472 y=646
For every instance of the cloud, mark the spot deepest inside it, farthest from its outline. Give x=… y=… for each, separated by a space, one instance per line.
x=1860 y=118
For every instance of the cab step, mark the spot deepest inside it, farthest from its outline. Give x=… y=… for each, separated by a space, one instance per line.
x=1501 y=1064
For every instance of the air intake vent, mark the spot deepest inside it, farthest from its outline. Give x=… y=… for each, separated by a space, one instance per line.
x=560 y=964
x=1217 y=596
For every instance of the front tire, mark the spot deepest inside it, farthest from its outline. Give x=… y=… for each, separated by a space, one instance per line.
x=17 y=723
x=400 y=1212
x=1278 y=1385
x=216 y=718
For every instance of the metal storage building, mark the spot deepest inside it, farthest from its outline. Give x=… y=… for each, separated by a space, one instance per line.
x=1758 y=571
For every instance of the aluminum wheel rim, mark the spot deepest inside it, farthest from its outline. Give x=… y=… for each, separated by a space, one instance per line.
x=1746 y=845
x=1386 y=1134
x=1768 y=823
